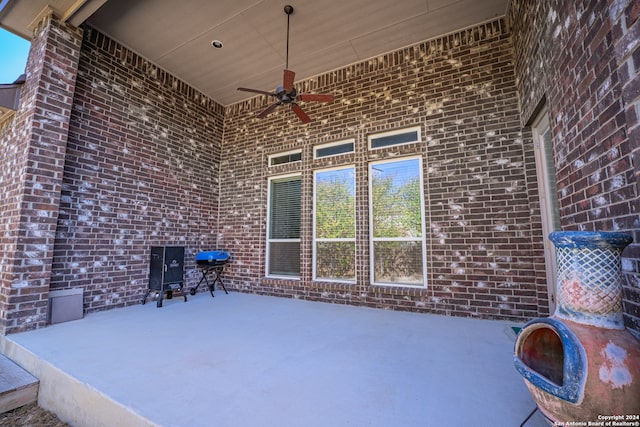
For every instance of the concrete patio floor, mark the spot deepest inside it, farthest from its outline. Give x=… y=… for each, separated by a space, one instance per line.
x=250 y=360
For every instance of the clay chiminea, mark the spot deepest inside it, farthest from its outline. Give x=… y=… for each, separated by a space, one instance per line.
x=581 y=364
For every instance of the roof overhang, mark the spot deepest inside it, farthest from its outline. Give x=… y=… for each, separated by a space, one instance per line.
x=18 y=16
x=10 y=98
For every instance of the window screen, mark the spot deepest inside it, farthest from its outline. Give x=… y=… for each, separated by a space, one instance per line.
x=388 y=139
x=397 y=249
x=334 y=149
x=551 y=179
x=284 y=227
x=334 y=240
x=281 y=159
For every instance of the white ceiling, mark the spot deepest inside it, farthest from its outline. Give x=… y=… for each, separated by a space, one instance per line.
x=324 y=35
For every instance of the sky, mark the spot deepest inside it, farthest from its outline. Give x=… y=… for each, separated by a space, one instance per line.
x=13 y=56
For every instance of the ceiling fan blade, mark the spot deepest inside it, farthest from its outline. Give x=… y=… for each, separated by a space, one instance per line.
x=300 y=113
x=315 y=97
x=267 y=110
x=287 y=81
x=245 y=89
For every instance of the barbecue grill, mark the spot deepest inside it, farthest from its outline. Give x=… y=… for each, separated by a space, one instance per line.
x=166 y=271
x=211 y=265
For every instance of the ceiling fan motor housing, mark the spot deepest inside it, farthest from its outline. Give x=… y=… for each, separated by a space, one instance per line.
x=284 y=96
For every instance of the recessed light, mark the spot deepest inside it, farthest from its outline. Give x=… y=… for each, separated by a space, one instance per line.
x=217 y=44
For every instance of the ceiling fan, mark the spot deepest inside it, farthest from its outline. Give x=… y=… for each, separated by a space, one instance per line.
x=287 y=94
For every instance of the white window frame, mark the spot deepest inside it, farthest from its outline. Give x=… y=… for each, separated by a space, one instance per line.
x=315 y=239
x=334 y=144
x=422 y=239
x=395 y=132
x=549 y=208
x=268 y=239
x=282 y=154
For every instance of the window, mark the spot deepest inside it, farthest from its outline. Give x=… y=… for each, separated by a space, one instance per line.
x=548 y=192
x=283 y=241
x=334 y=225
x=397 y=222
x=396 y=137
x=283 y=158
x=333 y=149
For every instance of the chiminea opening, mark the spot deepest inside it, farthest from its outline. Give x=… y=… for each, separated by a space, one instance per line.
x=550 y=356
x=542 y=351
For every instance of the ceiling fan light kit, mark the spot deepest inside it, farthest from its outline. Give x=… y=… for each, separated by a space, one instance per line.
x=287 y=94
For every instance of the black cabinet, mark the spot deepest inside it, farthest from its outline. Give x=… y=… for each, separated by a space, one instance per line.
x=166 y=272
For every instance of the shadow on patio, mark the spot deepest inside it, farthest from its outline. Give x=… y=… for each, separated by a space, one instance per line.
x=249 y=360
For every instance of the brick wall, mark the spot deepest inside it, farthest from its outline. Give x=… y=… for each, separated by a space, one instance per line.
x=32 y=152
x=141 y=170
x=581 y=58
x=623 y=15
x=484 y=239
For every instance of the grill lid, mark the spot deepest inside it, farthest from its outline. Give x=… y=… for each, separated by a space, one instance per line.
x=212 y=256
